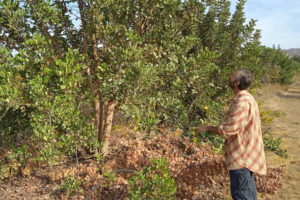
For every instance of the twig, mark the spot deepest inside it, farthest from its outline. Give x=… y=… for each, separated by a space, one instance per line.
x=3 y=115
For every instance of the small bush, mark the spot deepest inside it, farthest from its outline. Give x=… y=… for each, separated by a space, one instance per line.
x=266 y=117
x=110 y=178
x=71 y=185
x=153 y=182
x=273 y=144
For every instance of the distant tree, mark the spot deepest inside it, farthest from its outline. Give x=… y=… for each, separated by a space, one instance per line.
x=296 y=58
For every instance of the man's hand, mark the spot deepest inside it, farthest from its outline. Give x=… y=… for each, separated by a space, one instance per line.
x=211 y=129
x=201 y=129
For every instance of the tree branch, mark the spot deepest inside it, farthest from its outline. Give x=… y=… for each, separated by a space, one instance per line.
x=3 y=115
x=80 y=6
x=43 y=27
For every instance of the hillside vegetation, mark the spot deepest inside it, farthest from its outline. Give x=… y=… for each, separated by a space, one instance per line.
x=293 y=51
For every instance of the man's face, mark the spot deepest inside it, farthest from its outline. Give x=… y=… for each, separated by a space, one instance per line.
x=232 y=80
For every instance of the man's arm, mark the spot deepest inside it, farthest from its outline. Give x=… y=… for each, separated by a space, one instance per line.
x=232 y=126
x=212 y=129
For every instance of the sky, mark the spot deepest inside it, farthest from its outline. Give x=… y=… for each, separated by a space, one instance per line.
x=278 y=20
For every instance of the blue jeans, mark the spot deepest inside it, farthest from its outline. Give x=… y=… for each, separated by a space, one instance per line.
x=242 y=184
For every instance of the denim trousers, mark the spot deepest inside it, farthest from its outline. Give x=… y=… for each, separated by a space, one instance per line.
x=242 y=184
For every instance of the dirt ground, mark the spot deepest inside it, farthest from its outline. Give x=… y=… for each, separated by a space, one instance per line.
x=286 y=100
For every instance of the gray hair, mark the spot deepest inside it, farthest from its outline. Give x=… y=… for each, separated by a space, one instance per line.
x=245 y=78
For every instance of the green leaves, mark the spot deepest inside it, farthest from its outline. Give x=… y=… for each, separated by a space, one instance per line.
x=153 y=182
x=72 y=185
x=47 y=92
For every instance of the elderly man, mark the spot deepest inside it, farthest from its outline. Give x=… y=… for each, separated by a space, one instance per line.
x=244 y=150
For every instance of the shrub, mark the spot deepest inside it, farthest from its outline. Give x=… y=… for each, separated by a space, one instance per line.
x=274 y=145
x=153 y=182
x=71 y=185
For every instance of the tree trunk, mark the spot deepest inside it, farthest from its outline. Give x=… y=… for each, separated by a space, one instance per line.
x=99 y=116
x=107 y=126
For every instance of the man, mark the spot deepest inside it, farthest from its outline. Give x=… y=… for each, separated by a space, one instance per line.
x=244 y=150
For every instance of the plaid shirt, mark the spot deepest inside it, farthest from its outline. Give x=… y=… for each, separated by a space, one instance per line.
x=242 y=132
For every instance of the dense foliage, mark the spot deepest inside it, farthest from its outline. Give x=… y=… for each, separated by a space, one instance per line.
x=66 y=66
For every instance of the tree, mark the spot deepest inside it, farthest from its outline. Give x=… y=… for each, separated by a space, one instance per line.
x=60 y=65
x=67 y=65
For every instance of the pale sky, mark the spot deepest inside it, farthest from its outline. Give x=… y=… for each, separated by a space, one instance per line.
x=278 y=20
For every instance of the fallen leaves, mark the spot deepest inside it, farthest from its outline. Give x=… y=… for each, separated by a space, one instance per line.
x=199 y=172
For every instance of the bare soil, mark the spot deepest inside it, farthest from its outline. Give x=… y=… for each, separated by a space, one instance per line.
x=285 y=99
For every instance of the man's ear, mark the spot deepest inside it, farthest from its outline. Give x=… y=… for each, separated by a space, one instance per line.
x=236 y=83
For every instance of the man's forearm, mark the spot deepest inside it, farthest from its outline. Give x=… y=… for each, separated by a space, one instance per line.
x=213 y=129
